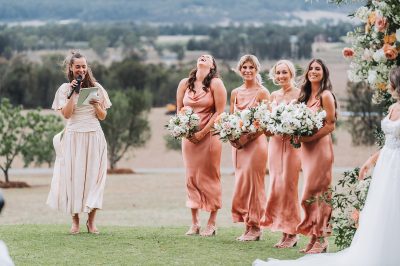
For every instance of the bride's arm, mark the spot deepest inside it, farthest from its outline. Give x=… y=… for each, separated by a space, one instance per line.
x=368 y=164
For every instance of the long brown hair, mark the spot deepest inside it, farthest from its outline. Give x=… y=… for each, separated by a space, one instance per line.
x=207 y=80
x=89 y=80
x=305 y=88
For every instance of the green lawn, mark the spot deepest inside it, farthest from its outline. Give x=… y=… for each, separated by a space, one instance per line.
x=117 y=245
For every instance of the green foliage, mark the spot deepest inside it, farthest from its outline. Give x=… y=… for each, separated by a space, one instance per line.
x=99 y=44
x=12 y=135
x=349 y=197
x=126 y=124
x=30 y=135
x=172 y=143
x=39 y=142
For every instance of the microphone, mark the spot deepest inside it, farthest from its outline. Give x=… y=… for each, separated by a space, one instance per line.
x=77 y=88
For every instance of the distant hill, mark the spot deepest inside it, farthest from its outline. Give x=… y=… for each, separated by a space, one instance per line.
x=164 y=11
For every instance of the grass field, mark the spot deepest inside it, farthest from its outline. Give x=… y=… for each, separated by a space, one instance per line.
x=119 y=245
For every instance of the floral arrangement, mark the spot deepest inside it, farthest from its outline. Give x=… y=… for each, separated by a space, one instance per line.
x=250 y=120
x=374 y=52
x=228 y=126
x=375 y=46
x=347 y=201
x=295 y=119
x=184 y=124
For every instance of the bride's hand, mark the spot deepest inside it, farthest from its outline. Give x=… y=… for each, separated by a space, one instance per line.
x=364 y=169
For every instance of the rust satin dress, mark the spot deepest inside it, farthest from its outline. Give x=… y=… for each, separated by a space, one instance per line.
x=250 y=162
x=316 y=161
x=202 y=160
x=283 y=209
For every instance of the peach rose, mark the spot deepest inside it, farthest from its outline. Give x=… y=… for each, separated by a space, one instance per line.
x=391 y=52
x=381 y=23
x=348 y=52
x=382 y=86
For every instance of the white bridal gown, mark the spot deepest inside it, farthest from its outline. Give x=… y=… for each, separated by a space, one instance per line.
x=377 y=239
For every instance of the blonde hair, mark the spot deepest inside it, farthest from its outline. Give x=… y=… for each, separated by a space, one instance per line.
x=252 y=59
x=292 y=71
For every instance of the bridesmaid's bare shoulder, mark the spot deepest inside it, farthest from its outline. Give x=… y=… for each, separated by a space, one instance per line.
x=217 y=84
x=183 y=84
x=327 y=96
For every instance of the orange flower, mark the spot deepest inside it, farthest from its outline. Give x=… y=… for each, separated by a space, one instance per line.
x=381 y=23
x=391 y=52
x=240 y=122
x=382 y=86
x=347 y=52
x=390 y=39
x=256 y=124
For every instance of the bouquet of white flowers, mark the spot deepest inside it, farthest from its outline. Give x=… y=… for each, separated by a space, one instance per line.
x=296 y=120
x=184 y=124
x=228 y=126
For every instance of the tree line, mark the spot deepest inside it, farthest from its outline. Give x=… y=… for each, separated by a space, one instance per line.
x=266 y=41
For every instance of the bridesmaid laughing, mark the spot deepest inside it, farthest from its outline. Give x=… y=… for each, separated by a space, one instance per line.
x=205 y=93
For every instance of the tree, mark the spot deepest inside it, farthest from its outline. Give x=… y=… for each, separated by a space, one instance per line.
x=38 y=148
x=12 y=123
x=126 y=125
x=29 y=135
x=99 y=44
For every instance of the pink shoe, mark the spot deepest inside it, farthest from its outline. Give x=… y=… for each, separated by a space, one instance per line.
x=319 y=247
x=252 y=235
x=290 y=241
x=193 y=230
x=211 y=230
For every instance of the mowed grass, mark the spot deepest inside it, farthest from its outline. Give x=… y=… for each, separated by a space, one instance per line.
x=118 y=245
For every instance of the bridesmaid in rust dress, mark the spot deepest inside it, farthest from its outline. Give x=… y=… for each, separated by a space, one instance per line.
x=205 y=93
x=249 y=153
x=317 y=159
x=283 y=209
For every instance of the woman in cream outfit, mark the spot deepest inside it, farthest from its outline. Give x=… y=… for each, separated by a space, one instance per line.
x=81 y=150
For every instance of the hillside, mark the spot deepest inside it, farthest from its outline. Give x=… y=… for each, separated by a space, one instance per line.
x=165 y=11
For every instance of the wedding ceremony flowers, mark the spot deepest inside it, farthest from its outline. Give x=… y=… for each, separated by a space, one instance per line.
x=184 y=124
x=348 y=200
x=228 y=126
x=375 y=46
